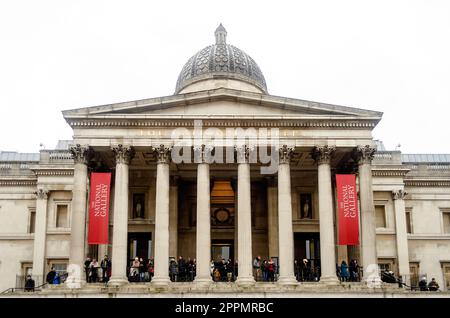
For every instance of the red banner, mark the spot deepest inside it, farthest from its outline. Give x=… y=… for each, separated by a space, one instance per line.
x=348 y=209
x=99 y=208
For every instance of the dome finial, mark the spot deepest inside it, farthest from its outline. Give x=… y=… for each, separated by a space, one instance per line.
x=221 y=35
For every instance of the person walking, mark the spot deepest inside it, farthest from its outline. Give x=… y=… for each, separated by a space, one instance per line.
x=141 y=270
x=257 y=268
x=344 y=272
x=271 y=270
x=29 y=284
x=93 y=271
x=106 y=268
x=173 y=270
x=87 y=263
x=134 y=270
x=50 y=276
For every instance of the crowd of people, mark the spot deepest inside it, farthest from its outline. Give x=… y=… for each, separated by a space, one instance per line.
x=348 y=272
x=222 y=270
x=431 y=286
x=92 y=267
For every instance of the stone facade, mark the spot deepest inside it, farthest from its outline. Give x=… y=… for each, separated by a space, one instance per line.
x=187 y=208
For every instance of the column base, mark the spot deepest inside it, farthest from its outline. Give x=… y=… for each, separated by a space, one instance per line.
x=245 y=281
x=287 y=281
x=161 y=282
x=329 y=280
x=203 y=282
x=117 y=281
x=373 y=281
x=75 y=280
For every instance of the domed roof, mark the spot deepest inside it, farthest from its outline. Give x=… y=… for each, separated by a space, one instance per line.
x=221 y=60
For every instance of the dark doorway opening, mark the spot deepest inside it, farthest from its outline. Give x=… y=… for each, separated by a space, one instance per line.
x=307 y=256
x=139 y=245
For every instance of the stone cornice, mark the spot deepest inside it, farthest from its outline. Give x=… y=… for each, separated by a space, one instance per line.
x=427 y=183
x=209 y=121
x=18 y=183
x=54 y=172
x=390 y=172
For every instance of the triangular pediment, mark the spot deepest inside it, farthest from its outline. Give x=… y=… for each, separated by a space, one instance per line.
x=221 y=102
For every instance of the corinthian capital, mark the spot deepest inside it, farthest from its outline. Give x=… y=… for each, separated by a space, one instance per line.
x=41 y=194
x=399 y=194
x=243 y=153
x=162 y=153
x=285 y=153
x=123 y=154
x=81 y=154
x=364 y=154
x=323 y=154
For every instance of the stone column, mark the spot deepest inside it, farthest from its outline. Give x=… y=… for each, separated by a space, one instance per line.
x=40 y=236
x=173 y=217
x=322 y=155
x=272 y=216
x=285 y=230
x=364 y=156
x=161 y=260
x=203 y=246
x=81 y=156
x=401 y=234
x=245 y=273
x=119 y=260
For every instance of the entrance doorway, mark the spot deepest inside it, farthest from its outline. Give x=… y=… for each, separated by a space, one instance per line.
x=222 y=249
x=307 y=247
x=139 y=245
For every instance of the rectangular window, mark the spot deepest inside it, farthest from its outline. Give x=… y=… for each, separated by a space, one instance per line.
x=446 y=219
x=380 y=216
x=414 y=274
x=62 y=216
x=408 y=222
x=32 y=221
x=446 y=273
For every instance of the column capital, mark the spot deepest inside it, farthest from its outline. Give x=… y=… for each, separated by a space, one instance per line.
x=162 y=153
x=41 y=194
x=323 y=154
x=123 y=154
x=243 y=153
x=364 y=154
x=399 y=194
x=81 y=153
x=285 y=152
x=202 y=153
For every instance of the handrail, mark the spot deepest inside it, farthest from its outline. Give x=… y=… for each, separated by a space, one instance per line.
x=12 y=289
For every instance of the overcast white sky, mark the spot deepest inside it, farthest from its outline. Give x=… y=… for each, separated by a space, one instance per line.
x=390 y=56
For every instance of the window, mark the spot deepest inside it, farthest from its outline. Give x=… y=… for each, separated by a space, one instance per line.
x=414 y=274
x=446 y=274
x=32 y=222
x=387 y=264
x=446 y=221
x=62 y=216
x=408 y=221
x=60 y=266
x=380 y=216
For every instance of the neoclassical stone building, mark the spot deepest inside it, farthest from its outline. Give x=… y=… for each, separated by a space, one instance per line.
x=162 y=208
